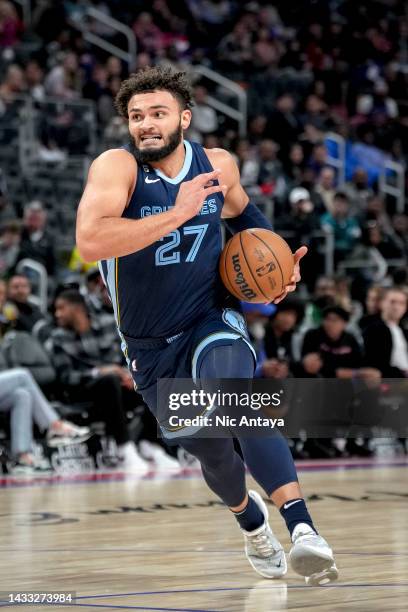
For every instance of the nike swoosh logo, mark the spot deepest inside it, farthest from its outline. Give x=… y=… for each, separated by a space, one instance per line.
x=286 y=506
x=147 y=180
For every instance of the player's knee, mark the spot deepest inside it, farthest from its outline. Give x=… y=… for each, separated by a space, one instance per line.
x=234 y=360
x=213 y=454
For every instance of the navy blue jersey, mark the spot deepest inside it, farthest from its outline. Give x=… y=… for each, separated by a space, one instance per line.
x=163 y=288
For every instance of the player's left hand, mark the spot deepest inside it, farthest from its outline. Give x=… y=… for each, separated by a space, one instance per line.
x=295 y=278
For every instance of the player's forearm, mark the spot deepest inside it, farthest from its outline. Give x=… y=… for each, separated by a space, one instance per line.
x=116 y=236
x=249 y=218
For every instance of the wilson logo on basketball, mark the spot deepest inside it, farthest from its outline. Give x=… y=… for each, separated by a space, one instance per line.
x=240 y=279
x=266 y=269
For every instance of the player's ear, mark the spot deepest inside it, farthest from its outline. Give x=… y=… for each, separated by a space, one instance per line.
x=185 y=118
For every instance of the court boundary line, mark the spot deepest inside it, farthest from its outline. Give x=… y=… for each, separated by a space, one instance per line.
x=205 y=590
x=181 y=551
x=104 y=477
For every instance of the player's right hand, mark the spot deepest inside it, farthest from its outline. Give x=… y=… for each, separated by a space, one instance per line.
x=192 y=194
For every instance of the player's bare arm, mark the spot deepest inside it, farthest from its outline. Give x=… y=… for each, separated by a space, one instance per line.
x=102 y=233
x=236 y=200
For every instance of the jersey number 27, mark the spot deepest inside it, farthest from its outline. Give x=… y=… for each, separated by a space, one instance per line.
x=166 y=253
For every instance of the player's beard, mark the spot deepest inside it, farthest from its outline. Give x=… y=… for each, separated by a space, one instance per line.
x=144 y=156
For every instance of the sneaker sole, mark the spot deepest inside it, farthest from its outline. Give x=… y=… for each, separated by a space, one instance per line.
x=54 y=442
x=325 y=577
x=317 y=567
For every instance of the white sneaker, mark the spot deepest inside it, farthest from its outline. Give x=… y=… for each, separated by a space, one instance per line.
x=311 y=556
x=67 y=433
x=158 y=456
x=263 y=550
x=37 y=468
x=131 y=461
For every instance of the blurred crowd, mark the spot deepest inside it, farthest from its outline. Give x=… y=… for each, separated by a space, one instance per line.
x=308 y=68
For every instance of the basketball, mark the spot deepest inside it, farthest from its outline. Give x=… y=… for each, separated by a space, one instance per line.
x=255 y=265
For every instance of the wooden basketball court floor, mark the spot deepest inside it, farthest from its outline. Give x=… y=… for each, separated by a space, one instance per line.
x=165 y=544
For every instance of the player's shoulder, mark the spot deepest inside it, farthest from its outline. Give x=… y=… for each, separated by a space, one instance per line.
x=114 y=167
x=115 y=159
x=220 y=157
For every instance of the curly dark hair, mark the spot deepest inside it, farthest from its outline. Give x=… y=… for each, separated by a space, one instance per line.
x=153 y=79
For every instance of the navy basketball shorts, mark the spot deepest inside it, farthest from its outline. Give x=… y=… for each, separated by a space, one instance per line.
x=180 y=356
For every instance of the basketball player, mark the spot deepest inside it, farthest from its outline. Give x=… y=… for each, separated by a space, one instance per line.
x=150 y=214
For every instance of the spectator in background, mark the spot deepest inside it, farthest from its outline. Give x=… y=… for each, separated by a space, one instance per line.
x=65 y=79
x=149 y=37
x=345 y=228
x=234 y=53
x=18 y=293
x=400 y=228
x=95 y=86
x=343 y=298
x=10 y=25
x=22 y=397
x=115 y=133
x=205 y=119
x=318 y=157
x=332 y=352
x=212 y=15
x=37 y=241
x=211 y=141
x=10 y=236
x=86 y=355
x=106 y=110
x=257 y=129
x=271 y=176
x=385 y=340
x=377 y=105
x=375 y=214
x=326 y=187
x=359 y=192
x=266 y=50
x=383 y=242
x=279 y=332
x=367 y=265
x=323 y=295
x=301 y=222
x=294 y=165
x=372 y=307
x=248 y=164
x=12 y=85
x=168 y=18
x=143 y=60
x=93 y=292
x=336 y=348
x=316 y=112
x=34 y=77
x=285 y=125
x=114 y=68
